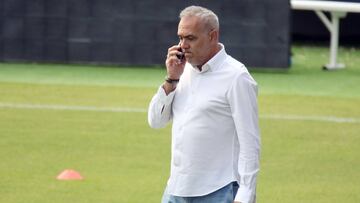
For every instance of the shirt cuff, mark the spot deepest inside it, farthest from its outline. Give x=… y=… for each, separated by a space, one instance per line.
x=245 y=195
x=165 y=99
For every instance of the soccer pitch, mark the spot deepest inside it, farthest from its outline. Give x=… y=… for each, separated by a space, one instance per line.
x=94 y=120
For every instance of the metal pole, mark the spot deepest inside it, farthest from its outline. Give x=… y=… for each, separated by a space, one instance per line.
x=334 y=41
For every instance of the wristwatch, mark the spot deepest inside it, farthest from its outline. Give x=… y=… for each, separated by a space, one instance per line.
x=170 y=80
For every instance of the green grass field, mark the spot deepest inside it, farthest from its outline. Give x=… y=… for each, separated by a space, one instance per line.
x=93 y=120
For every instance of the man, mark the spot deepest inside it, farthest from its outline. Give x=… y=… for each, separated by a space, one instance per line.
x=211 y=99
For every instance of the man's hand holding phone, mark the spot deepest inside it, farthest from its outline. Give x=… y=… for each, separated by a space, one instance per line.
x=175 y=63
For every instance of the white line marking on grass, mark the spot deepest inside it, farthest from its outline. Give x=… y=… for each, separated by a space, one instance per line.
x=333 y=119
x=71 y=108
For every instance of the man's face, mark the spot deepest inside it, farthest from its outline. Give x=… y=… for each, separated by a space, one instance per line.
x=194 y=40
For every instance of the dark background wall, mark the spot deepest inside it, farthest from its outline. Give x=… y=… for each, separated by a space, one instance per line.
x=136 y=32
x=307 y=27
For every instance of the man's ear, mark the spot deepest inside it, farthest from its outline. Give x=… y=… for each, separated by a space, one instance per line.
x=214 y=35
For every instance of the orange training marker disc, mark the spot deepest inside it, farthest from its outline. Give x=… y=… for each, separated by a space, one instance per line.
x=69 y=174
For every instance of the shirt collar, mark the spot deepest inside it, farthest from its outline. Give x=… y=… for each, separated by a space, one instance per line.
x=214 y=62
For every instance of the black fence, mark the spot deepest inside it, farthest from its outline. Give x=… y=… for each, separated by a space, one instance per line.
x=136 y=32
x=307 y=27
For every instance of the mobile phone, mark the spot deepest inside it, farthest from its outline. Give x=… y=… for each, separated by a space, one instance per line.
x=181 y=55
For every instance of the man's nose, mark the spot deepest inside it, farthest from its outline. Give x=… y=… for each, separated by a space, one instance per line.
x=183 y=44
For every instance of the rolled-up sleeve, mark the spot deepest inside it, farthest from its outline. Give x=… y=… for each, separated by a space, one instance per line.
x=159 y=113
x=242 y=97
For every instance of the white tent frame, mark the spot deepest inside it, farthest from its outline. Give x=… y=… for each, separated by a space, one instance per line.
x=337 y=11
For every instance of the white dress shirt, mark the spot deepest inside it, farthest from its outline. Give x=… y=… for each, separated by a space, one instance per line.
x=215 y=134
